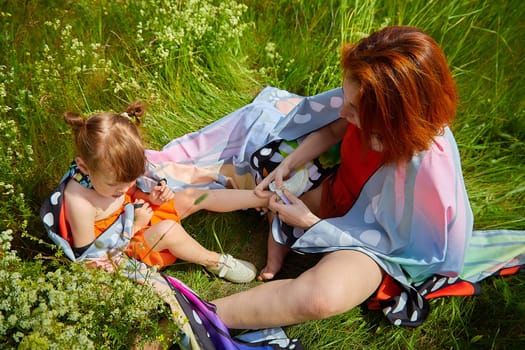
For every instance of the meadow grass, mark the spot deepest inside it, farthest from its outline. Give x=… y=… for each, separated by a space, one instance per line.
x=193 y=62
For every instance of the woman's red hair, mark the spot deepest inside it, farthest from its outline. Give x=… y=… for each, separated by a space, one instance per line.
x=407 y=93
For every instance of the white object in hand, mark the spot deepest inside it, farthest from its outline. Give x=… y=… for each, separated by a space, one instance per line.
x=296 y=184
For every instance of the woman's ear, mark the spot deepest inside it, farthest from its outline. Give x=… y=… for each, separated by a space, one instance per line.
x=82 y=165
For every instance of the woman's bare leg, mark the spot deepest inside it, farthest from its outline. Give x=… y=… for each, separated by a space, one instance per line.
x=340 y=281
x=277 y=252
x=274 y=257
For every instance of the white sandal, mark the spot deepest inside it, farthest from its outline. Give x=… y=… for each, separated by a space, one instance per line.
x=233 y=270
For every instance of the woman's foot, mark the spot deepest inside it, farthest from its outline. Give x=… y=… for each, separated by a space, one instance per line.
x=268 y=272
x=276 y=254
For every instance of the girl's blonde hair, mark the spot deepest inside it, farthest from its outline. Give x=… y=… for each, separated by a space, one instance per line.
x=110 y=142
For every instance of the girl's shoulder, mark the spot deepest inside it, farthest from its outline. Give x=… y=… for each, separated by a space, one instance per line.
x=76 y=189
x=78 y=196
x=90 y=204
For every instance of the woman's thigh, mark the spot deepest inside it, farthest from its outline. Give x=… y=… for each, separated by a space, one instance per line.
x=312 y=199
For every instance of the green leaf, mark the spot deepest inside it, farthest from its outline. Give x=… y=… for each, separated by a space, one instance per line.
x=200 y=199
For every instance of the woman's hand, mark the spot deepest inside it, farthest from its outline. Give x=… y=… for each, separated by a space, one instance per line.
x=143 y=214
x=160 y=194
x=278 y=175
x=295 y=214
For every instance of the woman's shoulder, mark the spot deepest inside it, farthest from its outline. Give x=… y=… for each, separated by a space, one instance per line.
x=444 y=144
x=441 y=160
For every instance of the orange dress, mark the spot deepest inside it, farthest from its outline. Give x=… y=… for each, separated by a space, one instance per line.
x=138 y=248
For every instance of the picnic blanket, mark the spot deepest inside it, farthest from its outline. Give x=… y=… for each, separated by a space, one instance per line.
x=413 y=220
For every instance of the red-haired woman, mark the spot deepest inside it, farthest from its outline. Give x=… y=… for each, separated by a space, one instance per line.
x=396 y=206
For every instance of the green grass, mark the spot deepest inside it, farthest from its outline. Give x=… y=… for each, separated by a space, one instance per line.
x=194 y=63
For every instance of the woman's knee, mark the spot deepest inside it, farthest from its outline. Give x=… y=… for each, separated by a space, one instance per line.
x=339 y=283
x=328 y=301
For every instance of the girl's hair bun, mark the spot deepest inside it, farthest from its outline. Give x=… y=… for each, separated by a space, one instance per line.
x=135 y=111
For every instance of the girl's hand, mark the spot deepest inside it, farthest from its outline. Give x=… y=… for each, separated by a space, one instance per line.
x=161 y=193
x=295 y=214
x=143 y=214
x=266 y=195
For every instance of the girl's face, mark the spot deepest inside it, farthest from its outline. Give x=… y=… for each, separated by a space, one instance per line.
x=349 y=110
x=106 y=185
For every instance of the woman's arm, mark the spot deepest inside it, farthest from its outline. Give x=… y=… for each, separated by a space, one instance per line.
x=313 y=146
x=317 y=143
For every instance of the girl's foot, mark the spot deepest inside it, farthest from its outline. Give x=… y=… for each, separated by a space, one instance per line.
x=233 y=270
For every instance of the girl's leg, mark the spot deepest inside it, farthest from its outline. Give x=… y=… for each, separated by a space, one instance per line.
x=191 y=200
x=339 y=282
x=171 y=235
x=277 y=252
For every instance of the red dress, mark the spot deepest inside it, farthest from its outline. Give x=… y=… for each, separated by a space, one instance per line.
x=357 y=165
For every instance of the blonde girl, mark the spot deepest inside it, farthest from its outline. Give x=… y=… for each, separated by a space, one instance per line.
x=102 y=180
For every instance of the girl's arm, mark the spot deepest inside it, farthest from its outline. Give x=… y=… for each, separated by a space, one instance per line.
x=191 y=200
